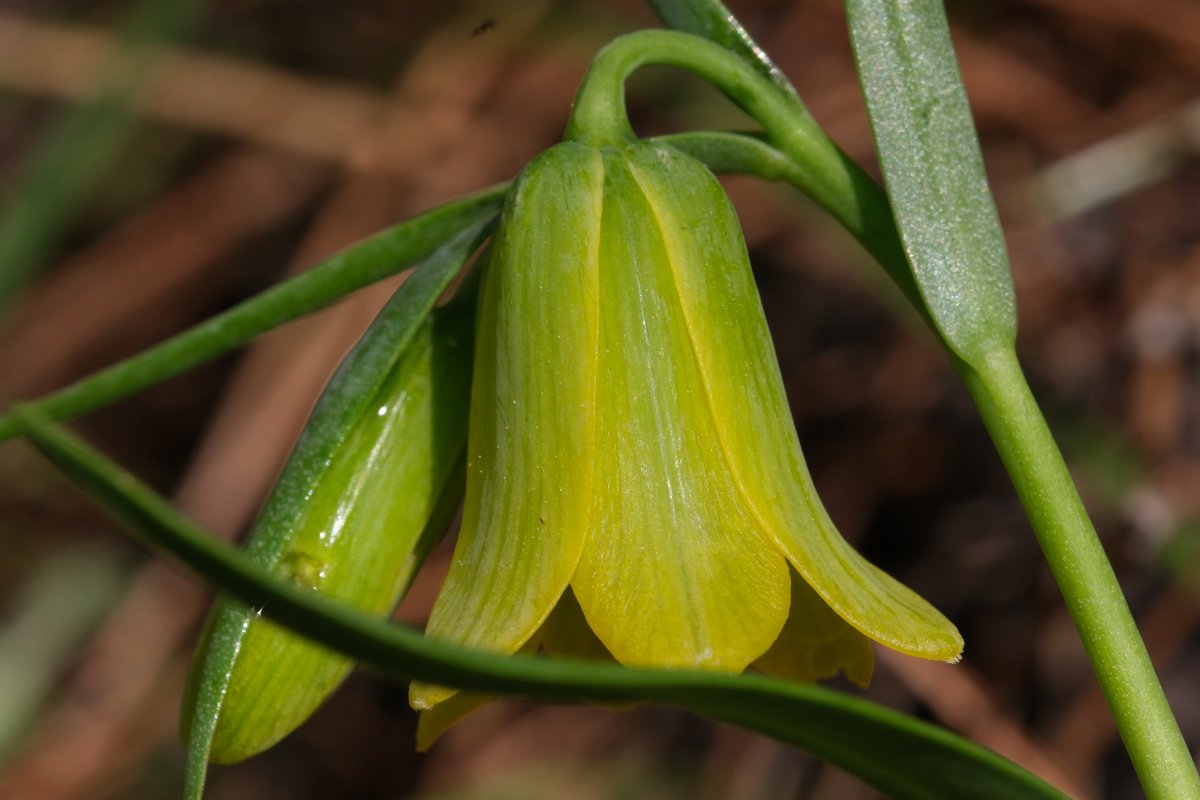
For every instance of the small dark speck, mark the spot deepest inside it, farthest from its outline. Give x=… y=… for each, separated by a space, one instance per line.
x=483 y=27
x=542 y=521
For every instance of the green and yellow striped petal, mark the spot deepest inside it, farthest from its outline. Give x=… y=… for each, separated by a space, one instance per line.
x=530 y=450
x=750 y=411
x=675 y=571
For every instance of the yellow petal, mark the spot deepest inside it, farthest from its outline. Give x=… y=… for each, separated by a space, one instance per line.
x=746 y=394
x=675 y=571
x=816 y=643
x=529 y=451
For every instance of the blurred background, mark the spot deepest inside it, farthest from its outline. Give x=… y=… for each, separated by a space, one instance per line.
x=162 y=161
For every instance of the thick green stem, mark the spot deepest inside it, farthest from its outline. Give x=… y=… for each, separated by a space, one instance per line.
x=1085 y=577
x=831 y=177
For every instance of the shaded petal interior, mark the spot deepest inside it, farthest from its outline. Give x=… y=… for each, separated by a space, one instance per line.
x=816 y=643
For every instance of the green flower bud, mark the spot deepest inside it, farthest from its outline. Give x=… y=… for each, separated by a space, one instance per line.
x=359 y=532
x=630 y=438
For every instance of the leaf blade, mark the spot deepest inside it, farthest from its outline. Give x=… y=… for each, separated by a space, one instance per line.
x=933 y=171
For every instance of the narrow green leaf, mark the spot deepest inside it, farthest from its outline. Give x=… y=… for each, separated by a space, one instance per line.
x=377 y=257
x=368 y=488
x=746 y=152
x=933 y=170
x=899 y=755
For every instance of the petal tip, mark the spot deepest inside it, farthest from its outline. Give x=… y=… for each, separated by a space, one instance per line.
x=949 y=650
x=424 y=696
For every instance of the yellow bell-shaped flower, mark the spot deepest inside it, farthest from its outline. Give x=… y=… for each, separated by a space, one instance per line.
x=630 y=438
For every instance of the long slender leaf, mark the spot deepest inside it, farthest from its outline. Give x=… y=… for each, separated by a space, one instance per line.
x=899 y=755
x=933 y=171
x=377 y=257
x=748 y=153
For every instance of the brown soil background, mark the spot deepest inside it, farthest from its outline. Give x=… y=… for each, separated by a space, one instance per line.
x=279 y=131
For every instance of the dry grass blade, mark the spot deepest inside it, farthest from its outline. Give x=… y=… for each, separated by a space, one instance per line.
x=213 y=94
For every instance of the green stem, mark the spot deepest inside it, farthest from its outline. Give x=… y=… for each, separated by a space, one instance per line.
x=711 y=20
x=1085 y=577
x=831 y=177
x=820 y=169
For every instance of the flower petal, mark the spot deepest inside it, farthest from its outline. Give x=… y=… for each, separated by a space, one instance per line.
x=745 y=391
x=676 y=572
x=529 y=451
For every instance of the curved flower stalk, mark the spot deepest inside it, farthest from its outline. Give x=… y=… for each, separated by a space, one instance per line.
x=630 y=438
